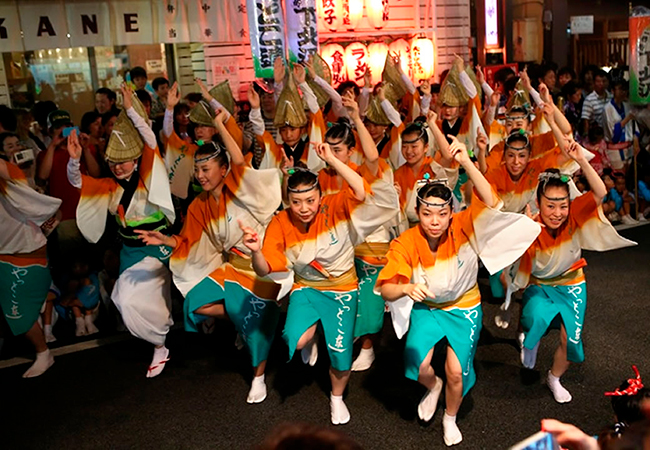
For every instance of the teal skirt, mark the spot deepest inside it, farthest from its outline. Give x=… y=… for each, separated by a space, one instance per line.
x=496 y=286
x=255 y=319
x=461 y=327
x=130 y=256
x=370 y=306
x=336 y=312
x=23 y=290
x=542 y=304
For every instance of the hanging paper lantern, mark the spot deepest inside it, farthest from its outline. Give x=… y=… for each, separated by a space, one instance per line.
x=331 y=13
x=403 y=49
x=352 y=13
x=377 y=12
x=422 y=58
x=376 y=60
x=334 y=56
x=356 y=62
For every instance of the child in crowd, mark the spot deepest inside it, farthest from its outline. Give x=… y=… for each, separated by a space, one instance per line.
x=617 y=203
x=596 y=144
x=81 y=299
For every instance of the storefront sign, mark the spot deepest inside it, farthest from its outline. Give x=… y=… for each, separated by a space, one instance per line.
x=89 y=24
x=226 y=69
x=44 y=24
x=302 y=29
x=10 y=40
x=133 y=22
x=582 y=24
x=640 y=58
x=173 y=27
x=154 y=66
x=266 y=28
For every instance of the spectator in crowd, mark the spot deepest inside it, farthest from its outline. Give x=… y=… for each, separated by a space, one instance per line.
x=193 y=98
x=161 y=86
x=40 y=111
x=572 y=108
x=139 y=77
x=596 y=144
x=619 y=126
x=549 y=78
x=145 y=99
x=594 y=104
x=587 y=78
x=92 y=134
x=105 y=101
x=564 y=75
x=23 y=129
x=12 y=150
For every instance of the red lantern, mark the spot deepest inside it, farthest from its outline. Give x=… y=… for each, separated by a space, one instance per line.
x=356 y=62
x=334 y=56
x=376 y=60
x=422 y=58
x=331 y=13
x=377 y=12
x=403 y=49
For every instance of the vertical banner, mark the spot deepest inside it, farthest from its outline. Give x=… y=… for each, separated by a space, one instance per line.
x=209 y=20
x=44 y=24
x=133 y=21
x=172 y=27
x=302 y=28
x=10 y=38
x=640 y=56
x=266 y=31
x=89 y=23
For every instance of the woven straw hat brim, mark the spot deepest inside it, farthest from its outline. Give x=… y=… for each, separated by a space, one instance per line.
x=321 y=68
x=202 y=114
x=289 y=109
x=520 y=98
x=322 y=96
x=376 y=113
x=139 y=107
x=223 y=94
x=452 y=92
x=125 y=143
x=394 y=87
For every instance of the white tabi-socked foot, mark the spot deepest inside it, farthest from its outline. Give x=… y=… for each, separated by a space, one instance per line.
x=257 y=394
x=340 y=413
x=560 y=394
x=364 y=360
x=429 y=403
x=90 y=325
x=309 y=353
x=528 y=356
x=502 y=319
x=44 y=361
x=160 y=358
x=450 y=432
x=80 y=327
x=49 y=336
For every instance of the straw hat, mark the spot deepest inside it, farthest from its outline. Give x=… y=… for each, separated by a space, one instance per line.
x=125 y=143
x=202 y=114
x=376 y=114
x=452 y=92
x=138 y=106
x=520 y=99
x=289 y=109
x=394 y=87
x=322 y=70
x=223 y=94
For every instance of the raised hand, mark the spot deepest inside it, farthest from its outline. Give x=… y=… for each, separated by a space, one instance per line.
x=204 y=89
x=569 y=436
x=351 y=105
x=250 y=239
x=74 y=147
x=324 y=152
x=525 y=80
x=127 y=95
x=397 y=59
x=174 y=96
x=418 y=292
x=480 y=76
x=278 y=70
x=495 y=98
x=286 y=164
x=432 y=118
x=481 y=139
x=221 y=117
x=381 y=93
x=152 y=237
x=367 y=78
x=253 y=97
x=549 y=112
x=459 y=63
x=544 y=93
x=574 y=150
x=530 y=215
x=425 y=87
x=458 y=150
x=309 y=65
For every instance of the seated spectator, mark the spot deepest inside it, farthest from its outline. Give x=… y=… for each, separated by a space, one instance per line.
x=621 y=198
x=618 y=123
x=81 y=299
x=161 y=86
x=105 y=101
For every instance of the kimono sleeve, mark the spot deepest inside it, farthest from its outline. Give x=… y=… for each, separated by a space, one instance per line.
x=399 y=265
x=259 y=191
x=92 y=209
x=272 y=152
x=498 y=238
x=33 y=206
x=275 y=246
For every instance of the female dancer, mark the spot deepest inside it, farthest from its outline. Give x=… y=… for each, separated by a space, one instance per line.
x=314 y=239
x=551 y=269
x=24 y=274
x=430 y=280
x=218 y=287
x=138 y=196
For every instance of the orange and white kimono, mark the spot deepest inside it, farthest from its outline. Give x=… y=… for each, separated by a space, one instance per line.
x=317 y=265
x=540 y=145
x=551 y=271
x=479 y=232
x=211 y=264
x=407 y=181
x=24 y=273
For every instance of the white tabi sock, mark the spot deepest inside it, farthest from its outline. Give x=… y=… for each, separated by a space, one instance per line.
x=257 y=394
x=90 y=325
x=44 y=361
x=309 y=353
x=560 y=394
x=528 y=356
x=81 y=326
x=364 y=360
x=450 y=431
x=340 y=413
x=429 y=403
x=49 y=336
x=160 y=358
